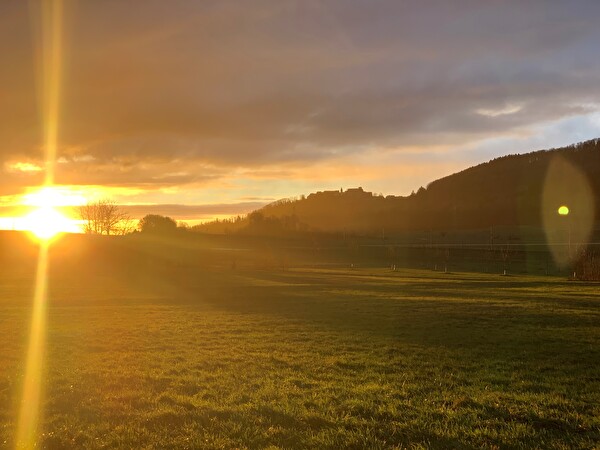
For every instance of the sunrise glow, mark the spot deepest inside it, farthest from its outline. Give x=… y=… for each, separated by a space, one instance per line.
x=47 y=222
x=53 y=196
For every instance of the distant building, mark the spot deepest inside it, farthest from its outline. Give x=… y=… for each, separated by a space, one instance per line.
x=325 y=193
x=358 y=190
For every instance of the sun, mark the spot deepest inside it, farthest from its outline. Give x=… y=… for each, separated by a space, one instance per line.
x=46 y=222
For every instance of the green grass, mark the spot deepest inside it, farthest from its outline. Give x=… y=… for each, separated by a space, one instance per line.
x=365 y=358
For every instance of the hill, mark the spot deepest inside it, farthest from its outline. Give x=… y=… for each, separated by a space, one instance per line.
x=512 y=191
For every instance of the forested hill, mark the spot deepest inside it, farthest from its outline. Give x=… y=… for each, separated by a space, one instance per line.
x=508 y=191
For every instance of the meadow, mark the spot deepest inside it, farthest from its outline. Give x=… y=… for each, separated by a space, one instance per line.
x=200 y=356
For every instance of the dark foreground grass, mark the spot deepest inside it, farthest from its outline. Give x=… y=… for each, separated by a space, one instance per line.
x=309 y=359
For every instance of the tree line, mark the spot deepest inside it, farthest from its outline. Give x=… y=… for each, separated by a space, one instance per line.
x=105 y=217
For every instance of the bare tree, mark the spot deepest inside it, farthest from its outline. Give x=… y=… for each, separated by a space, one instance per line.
x=104 y=217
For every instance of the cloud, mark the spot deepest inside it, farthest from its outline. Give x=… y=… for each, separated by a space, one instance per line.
x=504 y=110
x=187 y=93
x=20 y=166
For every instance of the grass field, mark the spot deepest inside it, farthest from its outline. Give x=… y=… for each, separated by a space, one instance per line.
x=308 y=358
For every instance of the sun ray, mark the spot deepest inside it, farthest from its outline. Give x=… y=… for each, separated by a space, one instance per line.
x=31 y=400
x=52 y=56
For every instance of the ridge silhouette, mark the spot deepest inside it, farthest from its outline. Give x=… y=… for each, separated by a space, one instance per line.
x=506 y=191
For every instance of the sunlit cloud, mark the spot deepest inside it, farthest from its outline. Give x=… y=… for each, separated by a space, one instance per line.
x=505 y=110
x=23 y=167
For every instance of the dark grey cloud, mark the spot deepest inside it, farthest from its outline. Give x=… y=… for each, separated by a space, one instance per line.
x=160 y=93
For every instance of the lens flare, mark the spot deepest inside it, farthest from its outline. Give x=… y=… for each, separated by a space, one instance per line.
x=32 y=385
x=51 y=54
x=567 y=228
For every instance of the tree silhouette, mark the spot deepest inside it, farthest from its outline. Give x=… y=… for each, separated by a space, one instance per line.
x=156 y=224
x=104 y=217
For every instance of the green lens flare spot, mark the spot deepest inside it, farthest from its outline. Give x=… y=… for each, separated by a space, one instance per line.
x=563 y=211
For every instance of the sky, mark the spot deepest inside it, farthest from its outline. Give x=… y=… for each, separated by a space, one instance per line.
x=209 y=109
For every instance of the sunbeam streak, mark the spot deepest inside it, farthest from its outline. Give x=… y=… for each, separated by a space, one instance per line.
x=51 y=56
x=32 y=385
x=51 y=70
